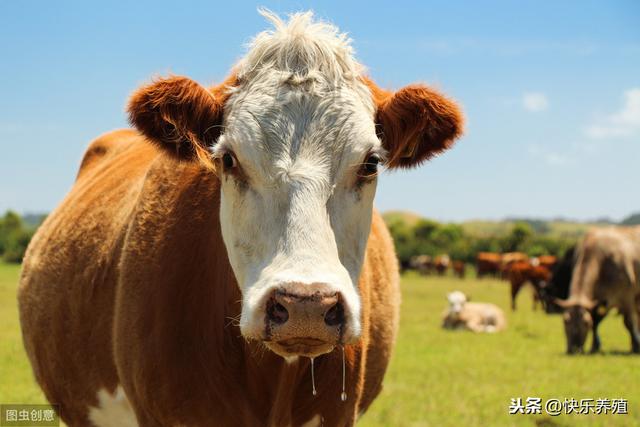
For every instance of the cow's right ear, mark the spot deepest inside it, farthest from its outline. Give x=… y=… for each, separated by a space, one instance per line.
x=178 y=115
x=415 y=123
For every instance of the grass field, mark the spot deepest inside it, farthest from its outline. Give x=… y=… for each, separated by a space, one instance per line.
x=441 y=378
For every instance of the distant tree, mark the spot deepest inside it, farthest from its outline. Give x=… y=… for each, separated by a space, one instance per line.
x=424 y=228
x=517 y=239
x=14 y=237
x=403 y=239
x=486 y=244
x=10 y=225
x=17 y=246
x=539 y=226
x=633 y=219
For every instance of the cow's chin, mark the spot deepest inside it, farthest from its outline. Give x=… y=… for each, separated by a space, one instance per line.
x=304 y=347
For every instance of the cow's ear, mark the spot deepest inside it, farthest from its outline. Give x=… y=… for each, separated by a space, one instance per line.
x=415 y=123
x=178 y=115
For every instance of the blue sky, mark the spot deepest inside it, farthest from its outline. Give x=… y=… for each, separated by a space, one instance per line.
x=551 y=91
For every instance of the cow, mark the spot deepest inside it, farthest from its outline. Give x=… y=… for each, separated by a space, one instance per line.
x=488 y=263
x=222 y=264
x=459 y=268
x=606 y=275
x=508 y=258
x=547 y=261
x=558 y=285
x=422 y=263
x=521 y=272
x=473 y=316
x=441 y=264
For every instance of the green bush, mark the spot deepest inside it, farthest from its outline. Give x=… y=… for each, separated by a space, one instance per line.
x=14 y=237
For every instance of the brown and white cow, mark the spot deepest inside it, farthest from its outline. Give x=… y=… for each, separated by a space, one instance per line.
x=441 y=264
x=606 y=275
x=206 y=266
x=473 y=316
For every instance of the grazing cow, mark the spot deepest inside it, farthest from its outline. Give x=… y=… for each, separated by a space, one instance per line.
x=422 y=263
x=558 y=285
x=521 y=272
x=459 y=268
x=203 y=268
x=474 y=316
x=547 y=261
x=488 y=263
x=441 y=264
x=509 y=258
x=606 y=275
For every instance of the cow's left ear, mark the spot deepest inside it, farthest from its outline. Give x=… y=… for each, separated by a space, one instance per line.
x=415 y=123
x=178 y=115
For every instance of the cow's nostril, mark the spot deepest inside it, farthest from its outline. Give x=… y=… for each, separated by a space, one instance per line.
x=277 y=313
x=335 y=315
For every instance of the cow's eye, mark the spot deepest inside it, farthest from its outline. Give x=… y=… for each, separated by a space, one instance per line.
x=229 y=161
x=370 y=165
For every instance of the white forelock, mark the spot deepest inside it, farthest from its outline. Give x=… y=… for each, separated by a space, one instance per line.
x=301 y=49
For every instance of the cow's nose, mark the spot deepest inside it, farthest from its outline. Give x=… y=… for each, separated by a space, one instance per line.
x=304 y=319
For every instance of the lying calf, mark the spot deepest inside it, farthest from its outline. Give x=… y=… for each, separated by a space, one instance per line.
x=474 y=316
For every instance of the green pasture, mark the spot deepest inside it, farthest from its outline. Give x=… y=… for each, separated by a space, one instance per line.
x=441 y=378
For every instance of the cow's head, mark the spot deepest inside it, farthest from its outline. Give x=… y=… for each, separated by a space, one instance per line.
x=297 y=138
x=457 y=300
x=577 y=323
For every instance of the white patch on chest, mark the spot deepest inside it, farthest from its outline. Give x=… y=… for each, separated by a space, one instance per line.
x=113 y=410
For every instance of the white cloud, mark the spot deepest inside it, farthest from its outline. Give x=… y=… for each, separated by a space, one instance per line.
x=535 y=101
x=551 y=158
x=625 y=122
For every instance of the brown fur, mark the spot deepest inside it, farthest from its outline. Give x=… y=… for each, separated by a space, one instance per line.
x=132 y=265
x=548 y=261
x=459 y=268
x=487 y=263
x=521 y=272
x=180 y=115
x=415 y=123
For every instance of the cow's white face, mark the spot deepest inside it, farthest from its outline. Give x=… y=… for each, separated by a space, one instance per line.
x=298 y=172
x=457 y=300
x=294 y=138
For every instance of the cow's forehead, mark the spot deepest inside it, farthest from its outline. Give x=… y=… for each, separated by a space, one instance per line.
x=292 y=124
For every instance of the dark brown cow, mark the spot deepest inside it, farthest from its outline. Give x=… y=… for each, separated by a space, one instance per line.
x=459 y=268
x=205 y=266
x=488 y=263
x=521 y=272
x=441 y=264
x=547 y=261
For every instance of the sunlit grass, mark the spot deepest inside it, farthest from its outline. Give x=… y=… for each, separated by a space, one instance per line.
x=444 y=378
x=439 y=378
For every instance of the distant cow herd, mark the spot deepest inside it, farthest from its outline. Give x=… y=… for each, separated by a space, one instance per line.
x=600 y=273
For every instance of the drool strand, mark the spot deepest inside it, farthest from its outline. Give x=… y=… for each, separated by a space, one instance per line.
x=313 y=379
x=343 y=396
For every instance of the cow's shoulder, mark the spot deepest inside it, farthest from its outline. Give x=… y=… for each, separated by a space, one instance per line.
x=105 y=146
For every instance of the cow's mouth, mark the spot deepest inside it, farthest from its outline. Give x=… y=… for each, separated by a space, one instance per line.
x=305 y=346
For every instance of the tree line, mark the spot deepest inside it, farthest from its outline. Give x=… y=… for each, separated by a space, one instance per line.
x=428 y=237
